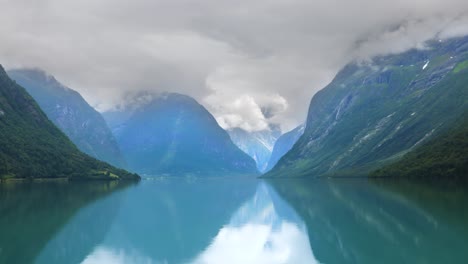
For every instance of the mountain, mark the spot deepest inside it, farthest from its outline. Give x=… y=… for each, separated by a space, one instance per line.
x=173 y=134
x=373 y=113
x=257 y=144
x=72 y=114
x=445 y=155
x=32 y=147
x=284 y=143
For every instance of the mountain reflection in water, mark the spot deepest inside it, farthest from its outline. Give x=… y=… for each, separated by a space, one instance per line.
x=234 y=220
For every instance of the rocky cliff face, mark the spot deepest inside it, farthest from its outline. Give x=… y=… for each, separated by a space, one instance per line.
x=373 y=113
x=68 y=110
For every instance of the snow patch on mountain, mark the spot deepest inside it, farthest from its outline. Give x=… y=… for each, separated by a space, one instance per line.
x=258 y=145
x=425 y=65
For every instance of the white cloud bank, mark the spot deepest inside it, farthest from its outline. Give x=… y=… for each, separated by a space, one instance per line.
x=235 y=57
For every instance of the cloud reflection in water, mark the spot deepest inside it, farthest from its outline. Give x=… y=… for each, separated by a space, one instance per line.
x=264 y=230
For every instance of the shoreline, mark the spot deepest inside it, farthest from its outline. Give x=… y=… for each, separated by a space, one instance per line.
x=5 y=180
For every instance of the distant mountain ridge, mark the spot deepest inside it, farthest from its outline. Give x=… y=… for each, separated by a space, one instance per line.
x=172 y=134
x=257 y=144
x=33 y=147
x=372 y=114
x=283 y=144
x=68 y=110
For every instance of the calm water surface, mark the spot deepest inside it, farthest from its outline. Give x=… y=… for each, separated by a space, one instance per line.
x=233 y=221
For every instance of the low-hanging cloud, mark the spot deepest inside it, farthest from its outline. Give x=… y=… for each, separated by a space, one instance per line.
x=251 y=63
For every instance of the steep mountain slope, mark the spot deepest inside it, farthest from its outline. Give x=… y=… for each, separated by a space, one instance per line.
x=173 y=134
x=284 y=143
x=72 y=114
x=32 y=147
x=258 y=144
x=373 y=113
x=444 y=156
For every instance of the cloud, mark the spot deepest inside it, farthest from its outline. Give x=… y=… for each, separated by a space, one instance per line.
x=217 y=51
x=242 y=112
x=274 y=105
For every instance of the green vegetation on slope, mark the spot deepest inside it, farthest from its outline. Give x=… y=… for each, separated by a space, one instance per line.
x=461 y=66
x=32 y=147
x=372 y=114
x=444 y=156
x=67 y=109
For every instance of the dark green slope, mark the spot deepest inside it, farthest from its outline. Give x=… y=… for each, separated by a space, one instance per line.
x=68 y=110
x=372 y=114
x=32 y=147
x=444 y=156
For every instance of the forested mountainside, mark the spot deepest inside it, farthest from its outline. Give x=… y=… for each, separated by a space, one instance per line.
x=444 y=156
x=373 y=113
x=67 y=109
x=33 y=147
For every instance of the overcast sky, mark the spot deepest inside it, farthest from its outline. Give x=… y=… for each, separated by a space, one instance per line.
x=249 y=62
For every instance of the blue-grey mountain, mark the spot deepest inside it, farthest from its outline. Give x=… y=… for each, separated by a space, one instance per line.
x=374 y=113
x=284 y=143
x=173 y=134
x=68 y=110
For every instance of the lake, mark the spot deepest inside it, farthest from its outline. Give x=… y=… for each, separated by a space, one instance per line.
x=233 y=220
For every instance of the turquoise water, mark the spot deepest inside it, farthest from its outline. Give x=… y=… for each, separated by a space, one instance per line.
x=233 y=221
